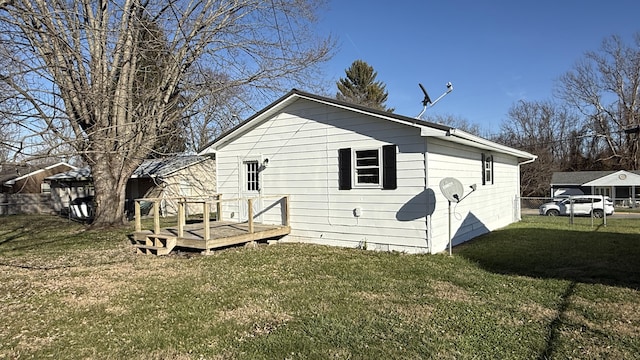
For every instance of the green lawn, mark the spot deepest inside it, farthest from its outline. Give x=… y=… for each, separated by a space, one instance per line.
x=539 y=289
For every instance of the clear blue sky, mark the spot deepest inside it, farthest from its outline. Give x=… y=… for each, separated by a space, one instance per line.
x=494 y=52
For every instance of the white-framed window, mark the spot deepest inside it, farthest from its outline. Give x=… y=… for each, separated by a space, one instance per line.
x=252 y=178
x=487 y=169
x=367 y=167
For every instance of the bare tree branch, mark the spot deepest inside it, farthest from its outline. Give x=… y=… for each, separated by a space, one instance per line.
x=605 y=88
x=111 y=79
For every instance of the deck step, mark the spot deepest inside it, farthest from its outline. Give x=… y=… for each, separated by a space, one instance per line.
x=152 y=250
x=154 y=244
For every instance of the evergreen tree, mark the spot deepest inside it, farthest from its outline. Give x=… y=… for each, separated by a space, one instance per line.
x=360 y=87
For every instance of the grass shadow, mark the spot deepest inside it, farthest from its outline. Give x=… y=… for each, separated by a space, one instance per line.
x=27 y=229
x=599 y=255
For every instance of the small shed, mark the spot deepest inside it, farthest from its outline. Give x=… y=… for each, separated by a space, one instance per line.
x=620 y=185
x=172 y=177
x=167 y=178
x=360 y=177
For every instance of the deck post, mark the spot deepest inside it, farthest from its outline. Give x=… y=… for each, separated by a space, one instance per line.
x=186 y=210
x=138 y=215
x=250 y=212
x=181 y=220
x=156 y=217
x=287 y=218
x=219 y=208
x=205 y=218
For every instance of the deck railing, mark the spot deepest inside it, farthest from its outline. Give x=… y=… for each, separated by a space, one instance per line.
x=206 y=204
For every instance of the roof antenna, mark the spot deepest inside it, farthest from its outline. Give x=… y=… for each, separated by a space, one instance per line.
x=427 y=100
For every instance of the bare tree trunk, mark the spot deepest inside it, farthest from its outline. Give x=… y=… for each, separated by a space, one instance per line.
x=111 y=78
x=110 y=197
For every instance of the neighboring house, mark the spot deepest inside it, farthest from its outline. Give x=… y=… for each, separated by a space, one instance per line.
x=358 y=177
x=29 y=179
x=622 y=186
x=166 y=178
x=23 y=189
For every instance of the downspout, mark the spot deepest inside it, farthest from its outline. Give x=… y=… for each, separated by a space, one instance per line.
x=519 y=217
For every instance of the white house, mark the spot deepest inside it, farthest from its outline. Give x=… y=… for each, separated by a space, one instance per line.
x=362 y=177
x=622 y=186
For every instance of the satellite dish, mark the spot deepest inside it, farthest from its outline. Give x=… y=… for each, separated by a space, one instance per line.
x=427 y=99
x=452 y=189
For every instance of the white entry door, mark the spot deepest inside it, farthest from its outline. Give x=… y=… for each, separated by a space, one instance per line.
x=251 y=187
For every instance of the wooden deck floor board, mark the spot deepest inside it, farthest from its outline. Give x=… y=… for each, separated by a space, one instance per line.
x=222 y=233
x=207 y=234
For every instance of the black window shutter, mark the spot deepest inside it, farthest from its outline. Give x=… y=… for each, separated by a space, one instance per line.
x=484 y=171
x=344 y=169
x=389 y=179
x=492 y=174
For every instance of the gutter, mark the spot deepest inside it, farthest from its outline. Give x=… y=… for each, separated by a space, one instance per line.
x=528 y=161
x=465 y=138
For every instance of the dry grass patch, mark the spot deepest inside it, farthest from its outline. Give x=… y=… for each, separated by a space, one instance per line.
x=94 y=290
x=414 y=313
x=251 y=314
x=627 y=319
x=373 y=297
x=622 y=318
x=538 y=313
x=449 y=291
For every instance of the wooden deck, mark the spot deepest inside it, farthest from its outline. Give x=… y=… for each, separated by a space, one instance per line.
x=204 y=235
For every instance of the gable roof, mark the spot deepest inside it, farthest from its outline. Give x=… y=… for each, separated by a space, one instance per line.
x=427 y=129
x=160 y=168
x=587 y=178
x=164 y=167
x=618 y=178
x=15 y=172
x=80 y=174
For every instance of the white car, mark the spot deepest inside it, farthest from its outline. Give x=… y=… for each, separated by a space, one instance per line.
x=581 y=204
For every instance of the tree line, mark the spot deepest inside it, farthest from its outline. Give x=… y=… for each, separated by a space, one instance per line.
x=592 y=122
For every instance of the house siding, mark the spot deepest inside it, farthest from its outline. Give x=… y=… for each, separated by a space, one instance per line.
x=62 y=193
x=197 y=180
x=25 y=203
x=304 y=138
x=490 y=207
x=302 y=146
